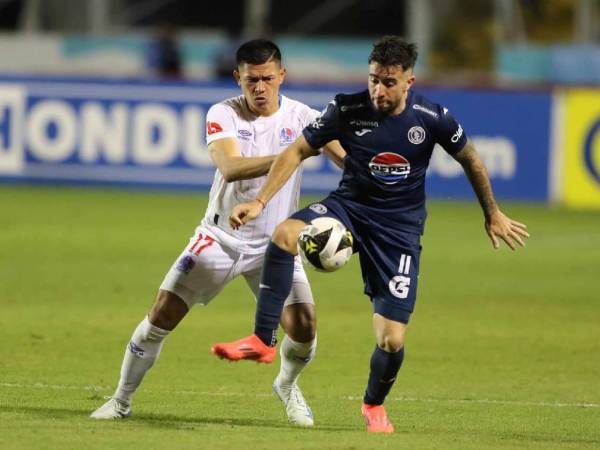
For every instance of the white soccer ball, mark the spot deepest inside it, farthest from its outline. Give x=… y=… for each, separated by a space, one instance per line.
x=325 y=244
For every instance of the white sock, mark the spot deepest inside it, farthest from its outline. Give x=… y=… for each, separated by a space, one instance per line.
x=141 y=353
x=294 y=358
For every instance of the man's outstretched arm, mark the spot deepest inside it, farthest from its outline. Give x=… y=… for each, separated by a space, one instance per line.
x=497 y=225
x=281 y=170
x=226 y=155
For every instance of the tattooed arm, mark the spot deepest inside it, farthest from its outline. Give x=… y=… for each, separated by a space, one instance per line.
x=497 y=225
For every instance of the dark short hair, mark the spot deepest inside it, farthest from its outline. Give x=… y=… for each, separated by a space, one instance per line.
x=257 y=51
x=394 y=51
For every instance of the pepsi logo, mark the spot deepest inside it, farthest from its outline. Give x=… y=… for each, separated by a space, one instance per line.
x=389 y=168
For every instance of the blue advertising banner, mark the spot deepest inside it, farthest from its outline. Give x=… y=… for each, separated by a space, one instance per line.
x=145 y=134
x=511 y=131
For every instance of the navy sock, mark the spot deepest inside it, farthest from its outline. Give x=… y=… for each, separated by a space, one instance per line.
x=384 y=368
x=275 y=286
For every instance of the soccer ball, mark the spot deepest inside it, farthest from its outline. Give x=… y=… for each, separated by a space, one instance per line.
x=325 y=244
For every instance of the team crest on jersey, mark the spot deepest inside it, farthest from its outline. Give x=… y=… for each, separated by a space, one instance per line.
x=213 y=127
x=286 y=136
x=319 y=208
x=416 y=135
x=185 y=264
x=389 y=168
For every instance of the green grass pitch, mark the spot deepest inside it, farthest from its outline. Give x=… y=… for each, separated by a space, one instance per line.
x=503 y=350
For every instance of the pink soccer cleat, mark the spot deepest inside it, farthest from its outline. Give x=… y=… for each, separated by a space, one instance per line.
x=251 y=348
x=376 y=418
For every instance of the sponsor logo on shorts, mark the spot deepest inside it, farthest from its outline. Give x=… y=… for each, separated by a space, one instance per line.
x=319 y=208
x=416 y=135
x=185 y=264
x=389 y=168
x=137 y=351
x=399 y=286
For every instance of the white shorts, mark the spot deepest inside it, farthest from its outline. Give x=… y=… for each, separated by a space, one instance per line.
x=205 y=266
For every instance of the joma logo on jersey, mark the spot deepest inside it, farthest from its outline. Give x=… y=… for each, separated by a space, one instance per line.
x=389 y=168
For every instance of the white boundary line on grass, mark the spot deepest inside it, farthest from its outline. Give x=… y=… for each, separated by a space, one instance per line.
x=353 y=398
x=491 y=402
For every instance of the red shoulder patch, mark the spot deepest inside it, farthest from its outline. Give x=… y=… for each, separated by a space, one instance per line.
x=213 y=127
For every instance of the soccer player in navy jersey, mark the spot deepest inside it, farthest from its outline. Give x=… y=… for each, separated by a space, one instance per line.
x=389 y=133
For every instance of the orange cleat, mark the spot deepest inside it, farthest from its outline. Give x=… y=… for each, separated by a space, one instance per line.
x=376 y=418
x=251 y=348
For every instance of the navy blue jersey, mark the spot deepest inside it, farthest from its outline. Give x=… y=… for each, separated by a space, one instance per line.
x=387 y=156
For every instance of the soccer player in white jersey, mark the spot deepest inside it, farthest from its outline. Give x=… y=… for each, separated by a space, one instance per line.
x=244 y=134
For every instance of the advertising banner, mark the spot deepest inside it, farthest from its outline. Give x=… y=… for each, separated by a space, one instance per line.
x=511 y=131
x=153 y=135
x=581 y=151
x=135 y=134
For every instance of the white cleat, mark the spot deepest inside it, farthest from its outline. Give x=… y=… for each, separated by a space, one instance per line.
x=112 y=409
x=296 y=408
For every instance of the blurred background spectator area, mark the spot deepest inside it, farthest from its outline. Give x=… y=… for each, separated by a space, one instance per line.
x=460 y=41
x=117 y=91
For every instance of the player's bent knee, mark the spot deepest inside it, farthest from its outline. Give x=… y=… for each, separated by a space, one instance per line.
x=300 y=322
x=167 y=311
x=391 y=343
x=389 y=333
x=286 y=235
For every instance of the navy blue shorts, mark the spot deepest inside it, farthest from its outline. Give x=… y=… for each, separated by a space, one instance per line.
x=389 y=257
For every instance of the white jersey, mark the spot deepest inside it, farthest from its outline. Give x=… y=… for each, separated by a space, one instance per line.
x=257 y=136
